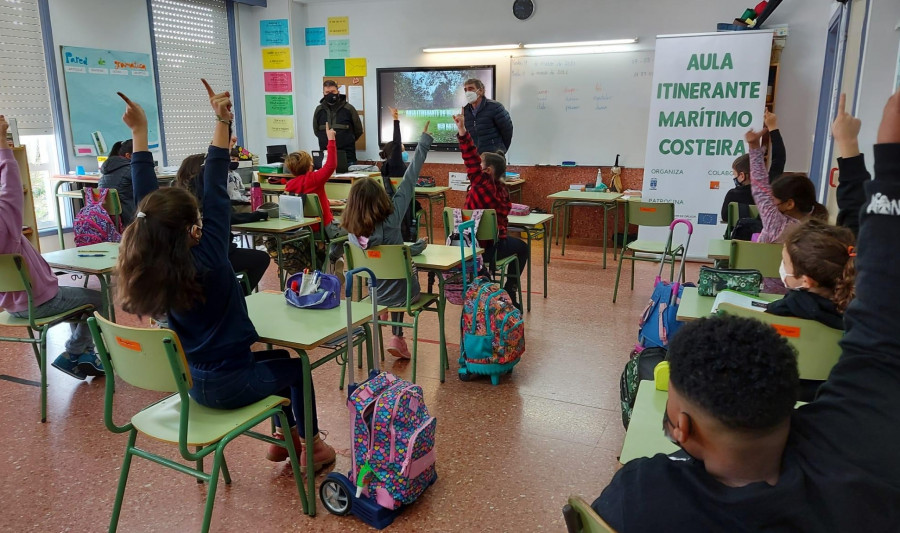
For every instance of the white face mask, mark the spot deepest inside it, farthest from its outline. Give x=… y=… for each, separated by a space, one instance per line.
x=784 y=274
x=471 y=96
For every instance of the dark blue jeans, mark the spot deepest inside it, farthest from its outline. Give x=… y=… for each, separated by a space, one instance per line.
x=264 y=374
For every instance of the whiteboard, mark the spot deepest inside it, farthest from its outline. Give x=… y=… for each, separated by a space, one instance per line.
x=582 y=108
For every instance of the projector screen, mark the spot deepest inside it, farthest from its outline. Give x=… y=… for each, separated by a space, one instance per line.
x=426 y=93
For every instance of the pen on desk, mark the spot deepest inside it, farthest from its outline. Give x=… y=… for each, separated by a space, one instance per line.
x=91 y=255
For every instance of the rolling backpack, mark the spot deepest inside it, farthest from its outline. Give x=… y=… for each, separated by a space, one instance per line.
x=493 y=331
x=453 y=289
x=639 y=367
x=93 y=224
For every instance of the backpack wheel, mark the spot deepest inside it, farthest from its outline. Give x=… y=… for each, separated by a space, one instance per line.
x=335 y=497
x=464 y=376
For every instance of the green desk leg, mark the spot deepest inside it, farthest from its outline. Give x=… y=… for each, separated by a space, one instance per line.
x=528 y=267
x=605 y=210
x=442 y=304
x=308 y=432
x=565 y=231
x=107 y=297
x=59 y=226
x=546 y=238
x=280 y=261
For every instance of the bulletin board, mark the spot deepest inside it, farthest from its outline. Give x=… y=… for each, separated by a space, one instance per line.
x=93 y=76
x=354 y=88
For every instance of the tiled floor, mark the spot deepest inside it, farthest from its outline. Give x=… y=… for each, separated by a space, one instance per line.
x=508 y=456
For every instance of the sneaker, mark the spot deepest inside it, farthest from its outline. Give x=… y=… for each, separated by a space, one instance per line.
x=66 y=363
x=89 y=364
x=397 y=347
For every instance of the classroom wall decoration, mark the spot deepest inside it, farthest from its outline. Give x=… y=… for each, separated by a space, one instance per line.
x=708 y=90
x=275 y=40
x=338 y=26
x=93 y=76
x=315 y=36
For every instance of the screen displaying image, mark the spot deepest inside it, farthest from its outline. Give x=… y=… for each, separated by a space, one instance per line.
x=426 y=93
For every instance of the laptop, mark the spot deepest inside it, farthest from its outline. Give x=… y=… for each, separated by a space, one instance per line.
x=319 y=159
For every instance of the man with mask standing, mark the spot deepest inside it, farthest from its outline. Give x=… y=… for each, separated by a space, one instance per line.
x=334 y=109
x=487 y=121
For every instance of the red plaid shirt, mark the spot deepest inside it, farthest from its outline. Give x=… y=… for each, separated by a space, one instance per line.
x=485 y=192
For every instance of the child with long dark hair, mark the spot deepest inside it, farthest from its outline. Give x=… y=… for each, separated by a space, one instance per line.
x=173 y=260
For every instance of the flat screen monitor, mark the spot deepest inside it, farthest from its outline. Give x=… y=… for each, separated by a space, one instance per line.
x=427 y=93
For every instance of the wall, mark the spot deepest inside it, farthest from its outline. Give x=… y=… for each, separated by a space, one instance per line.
x=107 y=24
x=879 y=66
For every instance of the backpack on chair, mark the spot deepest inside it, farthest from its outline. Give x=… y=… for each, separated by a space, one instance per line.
x=93 y=224
x=746 y=225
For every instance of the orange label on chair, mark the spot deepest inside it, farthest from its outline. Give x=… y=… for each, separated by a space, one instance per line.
x=374 y=254
x=787 y=331
x=131 y=345
x=648 y=210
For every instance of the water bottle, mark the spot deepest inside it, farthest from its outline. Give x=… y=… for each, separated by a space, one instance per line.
x=599 y=179
x=256 y=196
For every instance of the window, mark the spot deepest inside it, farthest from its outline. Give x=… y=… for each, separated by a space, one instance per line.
x=191 y=41
x=25 y=97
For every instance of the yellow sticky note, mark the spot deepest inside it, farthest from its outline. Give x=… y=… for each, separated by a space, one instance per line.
x=338 y=25
x=280 y=127
x=355 y=66
x=276 y=58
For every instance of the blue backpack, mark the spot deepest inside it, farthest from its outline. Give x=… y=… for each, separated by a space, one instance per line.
x=659 y=320
x=93 y=224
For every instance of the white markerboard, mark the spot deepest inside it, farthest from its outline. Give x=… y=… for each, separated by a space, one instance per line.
x=583 y=108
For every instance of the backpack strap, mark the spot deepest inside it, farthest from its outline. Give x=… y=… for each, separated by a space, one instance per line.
x=95 y=196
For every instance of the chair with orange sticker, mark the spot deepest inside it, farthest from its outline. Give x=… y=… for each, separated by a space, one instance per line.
x=651 y=215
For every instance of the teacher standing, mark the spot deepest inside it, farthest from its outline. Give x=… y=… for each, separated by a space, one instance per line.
x=487 y=121
x=334 y=109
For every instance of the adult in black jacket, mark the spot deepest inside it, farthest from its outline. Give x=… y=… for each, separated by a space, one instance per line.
x=487 y=121
x=334 y=109
x=115 y=173
x=757 y=464
x=741 y=192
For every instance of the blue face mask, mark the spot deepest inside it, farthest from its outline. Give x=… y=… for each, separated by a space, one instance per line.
x=405 y=157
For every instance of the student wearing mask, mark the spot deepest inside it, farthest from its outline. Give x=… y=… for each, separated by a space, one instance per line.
x=334 y=109
x=115 y=173
x=487 y=121
x=741 y=192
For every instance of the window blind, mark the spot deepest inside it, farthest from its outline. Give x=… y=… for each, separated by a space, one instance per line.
x=23 y=71
x=191 y=42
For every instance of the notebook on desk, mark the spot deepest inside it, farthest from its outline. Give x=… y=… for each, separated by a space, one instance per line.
x=739 y=299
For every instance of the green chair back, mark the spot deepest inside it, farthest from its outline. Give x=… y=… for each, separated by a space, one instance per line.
x=581 y=518
x=817 y=345
x=734 y=216
x=388 y=261
x=764 y=257
x=649 y=213
x=337 y=190
x=111 y=204
x=14 y=275
x=488 y=229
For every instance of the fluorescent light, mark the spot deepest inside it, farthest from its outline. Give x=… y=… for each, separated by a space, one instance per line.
x=485 y=48
x=608 y=42
x=575 y=50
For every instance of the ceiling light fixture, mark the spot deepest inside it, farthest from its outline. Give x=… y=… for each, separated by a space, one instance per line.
x=486 y=48
x=609 y=42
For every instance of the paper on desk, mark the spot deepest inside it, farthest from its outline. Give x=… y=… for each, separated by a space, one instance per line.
x=739 y=299
x=459 y=181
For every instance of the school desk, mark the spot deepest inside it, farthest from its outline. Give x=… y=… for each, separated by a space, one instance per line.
x=430 y=196
x=719 y=249
x=88 y=180
x=95 y=260
x=534 y=226
x=694 y=306
x=301 y=330
x=515 y=188
x=284 y=231
x=565 y=200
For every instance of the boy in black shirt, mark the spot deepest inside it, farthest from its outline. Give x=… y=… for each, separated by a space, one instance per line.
x=741 y=168
x=751 y=462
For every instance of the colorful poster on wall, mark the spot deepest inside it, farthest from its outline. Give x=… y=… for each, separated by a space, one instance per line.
x=274 y=32
x=280 y=128
x=277 y=82
x=708 y=90
x=338 y=26
x=315 y=36
x=276 y=58
x=279 y=104
x=339 y=48
x=355 y=66
x=334 y=67
x=93 y=76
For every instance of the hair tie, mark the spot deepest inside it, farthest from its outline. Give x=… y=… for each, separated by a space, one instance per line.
x=141 y=214
x=851 y=251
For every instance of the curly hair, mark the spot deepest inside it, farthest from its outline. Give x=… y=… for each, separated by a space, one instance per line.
x=823 y=252
x=739 y=370
x=367 y=206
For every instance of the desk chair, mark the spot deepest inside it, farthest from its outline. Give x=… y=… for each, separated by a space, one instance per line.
x=760 y=256
x=488 y=230
x=581 y=518
x=734 y=216
x=394 y=262
x=153 y=359
x=312 y=207
x=816 y=344
x=652 y=215
x=14 y=277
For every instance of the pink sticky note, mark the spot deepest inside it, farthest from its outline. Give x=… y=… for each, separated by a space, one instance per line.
x=277 y=82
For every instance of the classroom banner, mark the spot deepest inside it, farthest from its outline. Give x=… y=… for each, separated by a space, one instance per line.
x=708 y=90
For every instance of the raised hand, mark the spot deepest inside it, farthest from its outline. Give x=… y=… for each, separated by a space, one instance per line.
x=395 y=114
x=220 y=102
x=845 y=130
x=425 y=129
x=134 y=116
x=753 y=138
x=329 y=132
x=4 y=127
x=460 y=123
x=770 y=120
x=889 y=130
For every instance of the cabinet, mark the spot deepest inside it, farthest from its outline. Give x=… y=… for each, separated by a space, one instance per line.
x=772 y=86
x=29 y=221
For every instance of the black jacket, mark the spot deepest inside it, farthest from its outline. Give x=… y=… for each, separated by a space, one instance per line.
x=851 y=193
x=344 y=119
x=491 y=127
x=805 y=304
x=116 y=174
x=742 y=193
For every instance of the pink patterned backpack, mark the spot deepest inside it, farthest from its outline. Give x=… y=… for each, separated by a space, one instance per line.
x=92 y=223
x=393 y=441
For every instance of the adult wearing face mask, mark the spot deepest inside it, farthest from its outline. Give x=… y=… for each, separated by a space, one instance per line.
x=334 y=109
x=487 y=121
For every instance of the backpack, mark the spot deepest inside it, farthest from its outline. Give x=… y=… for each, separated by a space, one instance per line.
x=639 y=367
x=746 y=225
x=519 y=210
x=93 y=224
x=493 y=332
x=393 y=440
x=453 y=289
